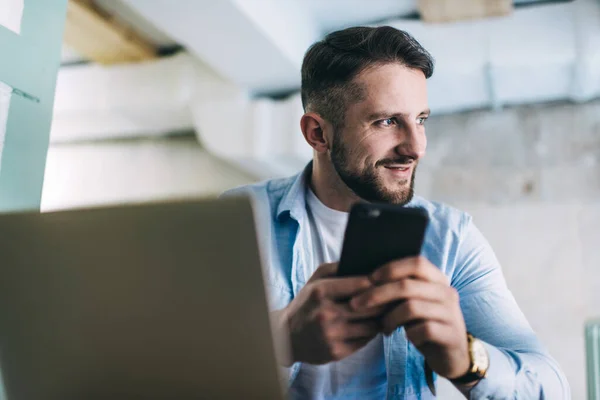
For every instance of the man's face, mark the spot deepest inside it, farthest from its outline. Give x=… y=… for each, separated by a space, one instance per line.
x=377 y=151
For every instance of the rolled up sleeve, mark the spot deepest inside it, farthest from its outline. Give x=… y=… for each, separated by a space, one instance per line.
x=520 y=367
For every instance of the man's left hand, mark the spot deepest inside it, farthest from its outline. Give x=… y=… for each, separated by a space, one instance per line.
x=420 y=298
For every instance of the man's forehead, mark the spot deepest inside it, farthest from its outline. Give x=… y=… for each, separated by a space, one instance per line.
x=389 y=71
x=393 y=87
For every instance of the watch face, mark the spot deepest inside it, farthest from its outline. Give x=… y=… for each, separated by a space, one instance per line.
x=480 y=356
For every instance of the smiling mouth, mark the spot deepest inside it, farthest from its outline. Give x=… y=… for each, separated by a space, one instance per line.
x=398 y=167
x=401 y=163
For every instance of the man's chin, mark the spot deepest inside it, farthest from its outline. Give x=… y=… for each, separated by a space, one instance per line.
x=395 y=184
x=400 y=198
x=402 y=192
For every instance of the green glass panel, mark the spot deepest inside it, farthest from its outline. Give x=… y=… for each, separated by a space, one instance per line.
x=592 y=344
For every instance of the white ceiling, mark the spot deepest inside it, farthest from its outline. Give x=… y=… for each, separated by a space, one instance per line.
x=129 y=17
x=479 y=63
x=323 y=16
x=337 y=14
x=125 y=14
x=326 y=15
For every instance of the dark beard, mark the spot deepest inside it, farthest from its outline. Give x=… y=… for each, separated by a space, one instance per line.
x=365 y=184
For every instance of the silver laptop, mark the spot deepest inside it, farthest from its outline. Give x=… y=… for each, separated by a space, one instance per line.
x=156 y=301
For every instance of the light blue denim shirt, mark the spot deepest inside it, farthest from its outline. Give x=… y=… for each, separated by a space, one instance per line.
x=520 y=367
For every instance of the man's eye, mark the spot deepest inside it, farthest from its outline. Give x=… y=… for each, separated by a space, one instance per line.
x=421 y=120
x=387 y=122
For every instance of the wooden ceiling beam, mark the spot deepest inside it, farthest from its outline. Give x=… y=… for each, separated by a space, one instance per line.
x=100 y=38
x=437 y=11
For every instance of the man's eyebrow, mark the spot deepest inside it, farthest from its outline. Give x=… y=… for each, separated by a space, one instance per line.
x=384 y=114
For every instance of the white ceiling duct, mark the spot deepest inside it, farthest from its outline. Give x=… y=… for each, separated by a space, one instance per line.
x=128 y=100
x=173 y=94
x=536 y=54
x=250 y=43
x=586 y=84
x=532 y=54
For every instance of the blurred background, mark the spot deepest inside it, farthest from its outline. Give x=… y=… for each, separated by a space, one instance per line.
x=164 y=99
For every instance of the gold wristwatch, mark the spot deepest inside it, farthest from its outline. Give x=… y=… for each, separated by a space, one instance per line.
x=479 y=365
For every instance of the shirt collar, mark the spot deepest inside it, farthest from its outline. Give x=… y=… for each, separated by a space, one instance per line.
x=294 y=200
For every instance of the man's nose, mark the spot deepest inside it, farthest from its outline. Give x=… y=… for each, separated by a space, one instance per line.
x=413 y=142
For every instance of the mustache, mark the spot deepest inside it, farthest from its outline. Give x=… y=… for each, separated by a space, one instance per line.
x=402 y=160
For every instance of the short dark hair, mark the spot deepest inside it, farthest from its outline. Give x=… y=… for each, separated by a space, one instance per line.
x=330 y=66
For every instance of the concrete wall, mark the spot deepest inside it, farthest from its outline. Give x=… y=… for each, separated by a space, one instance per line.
x=528 y=154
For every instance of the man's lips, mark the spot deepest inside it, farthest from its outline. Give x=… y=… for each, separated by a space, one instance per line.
x=402 y=167
x=401 y=171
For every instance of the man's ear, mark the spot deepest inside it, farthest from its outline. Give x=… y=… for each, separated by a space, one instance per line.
x=313 y=128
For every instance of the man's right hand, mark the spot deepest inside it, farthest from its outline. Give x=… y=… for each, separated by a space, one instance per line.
x=322 y=326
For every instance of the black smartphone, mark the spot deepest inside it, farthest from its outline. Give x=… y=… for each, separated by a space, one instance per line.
x=379 y=233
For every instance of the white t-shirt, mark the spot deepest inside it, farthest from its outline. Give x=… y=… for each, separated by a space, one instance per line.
x=361 y=375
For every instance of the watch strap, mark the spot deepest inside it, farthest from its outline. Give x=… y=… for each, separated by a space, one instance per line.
x=473 y=374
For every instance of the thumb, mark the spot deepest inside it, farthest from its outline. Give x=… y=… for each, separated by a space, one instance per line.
x=324 y=271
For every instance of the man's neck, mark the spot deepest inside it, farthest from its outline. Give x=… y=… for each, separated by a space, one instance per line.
x=329 y=187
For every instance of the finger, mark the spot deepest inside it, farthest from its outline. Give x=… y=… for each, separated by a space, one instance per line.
x=325 y=270
x=342 y=350
x=342 y=288
x=413 y=267
x=352 y=330
x=414 y=310
x=400 y=290
x=328 y=313
x=424 y=332
x=364 y=313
